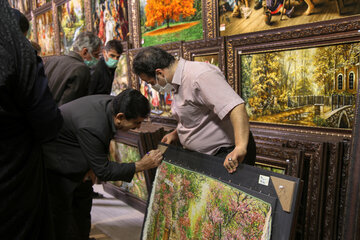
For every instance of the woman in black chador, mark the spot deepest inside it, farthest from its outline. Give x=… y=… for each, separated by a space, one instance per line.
x=28 y=117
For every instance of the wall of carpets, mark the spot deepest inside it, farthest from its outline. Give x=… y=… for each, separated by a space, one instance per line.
x=295 y=62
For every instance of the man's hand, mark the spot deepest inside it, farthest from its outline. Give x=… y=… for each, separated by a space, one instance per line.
x=90 y=175
x=170 y=137
x=150 y=160
x=233 y=159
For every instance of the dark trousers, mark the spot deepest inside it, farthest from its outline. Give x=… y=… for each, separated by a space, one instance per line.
x=250 y=151
x=71 y=203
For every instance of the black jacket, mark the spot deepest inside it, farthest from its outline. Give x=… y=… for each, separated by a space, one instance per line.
x=68 y=76
x=83 y=141
x=101 y=79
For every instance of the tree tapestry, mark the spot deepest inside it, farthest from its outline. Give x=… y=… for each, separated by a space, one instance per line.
x=188 y=205
x=123 y=153
x=170 y=21
x=72 y=23
x=313 y=87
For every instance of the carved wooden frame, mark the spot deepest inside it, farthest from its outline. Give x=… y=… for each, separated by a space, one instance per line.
x=344 y=32
x=206 y=47
x=208 y=14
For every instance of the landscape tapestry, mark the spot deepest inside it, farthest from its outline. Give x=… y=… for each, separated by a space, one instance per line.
x=170 y=21
x=120 y=82
x=188 y=205
x=72 y=23
x=311 y=87
x=123 y=153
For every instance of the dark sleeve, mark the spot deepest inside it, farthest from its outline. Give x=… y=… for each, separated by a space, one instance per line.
x=42 y=112
x=96 y=154
x=95 y=76
x=77 y=85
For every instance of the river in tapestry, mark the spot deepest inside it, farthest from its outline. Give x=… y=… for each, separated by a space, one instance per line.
x=189 y=205
x=311 y=87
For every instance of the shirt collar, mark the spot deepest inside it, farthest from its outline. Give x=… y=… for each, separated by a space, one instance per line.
x=178 y=72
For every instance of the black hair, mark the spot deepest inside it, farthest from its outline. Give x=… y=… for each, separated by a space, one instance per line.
x=151 y=58
x=115 y=45
x=132 y=103
x=22 y=20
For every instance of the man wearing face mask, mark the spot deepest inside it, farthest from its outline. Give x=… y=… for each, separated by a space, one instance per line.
x=69 y=75
x=103 y=75
x=211 y=116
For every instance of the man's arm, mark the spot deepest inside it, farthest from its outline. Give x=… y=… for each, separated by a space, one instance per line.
x=96 y=154
x=240 y=122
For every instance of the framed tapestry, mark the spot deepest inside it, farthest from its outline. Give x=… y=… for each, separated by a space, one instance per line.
x=128 y=147
x=160 y=104
x=210 y=51
x=121 y=78
x=45 y=31
x=305 y=83
x=238 y=17
x=110 y=19
x=153 y=22
x=71 y=19
x=194 y=197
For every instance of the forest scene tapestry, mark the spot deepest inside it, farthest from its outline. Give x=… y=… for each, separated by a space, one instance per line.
x=170 y=21
x=236 y=17
x=123 y=153
x=72 y=23
x=45 y=33
x=211 y=58
x=312 y=87
x=110 y=19
x=188 y=205
x=120 y=82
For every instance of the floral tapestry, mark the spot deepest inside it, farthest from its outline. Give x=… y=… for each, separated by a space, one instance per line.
x=187 y=205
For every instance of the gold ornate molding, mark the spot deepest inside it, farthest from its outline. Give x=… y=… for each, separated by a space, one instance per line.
x=210 y=20
x=230 y=64
x=134 y=23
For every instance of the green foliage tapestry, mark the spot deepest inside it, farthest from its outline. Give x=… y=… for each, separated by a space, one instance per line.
x=188 y=205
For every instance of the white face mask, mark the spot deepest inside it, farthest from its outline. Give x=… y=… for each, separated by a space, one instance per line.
x=165 y=89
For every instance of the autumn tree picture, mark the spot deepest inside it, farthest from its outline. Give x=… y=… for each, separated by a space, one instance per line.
x=312 y=87
x=170 y=20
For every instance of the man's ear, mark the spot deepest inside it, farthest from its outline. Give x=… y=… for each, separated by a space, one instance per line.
x=104 y=53
x=159 y=71
x=118 y=118
x=83 y=53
